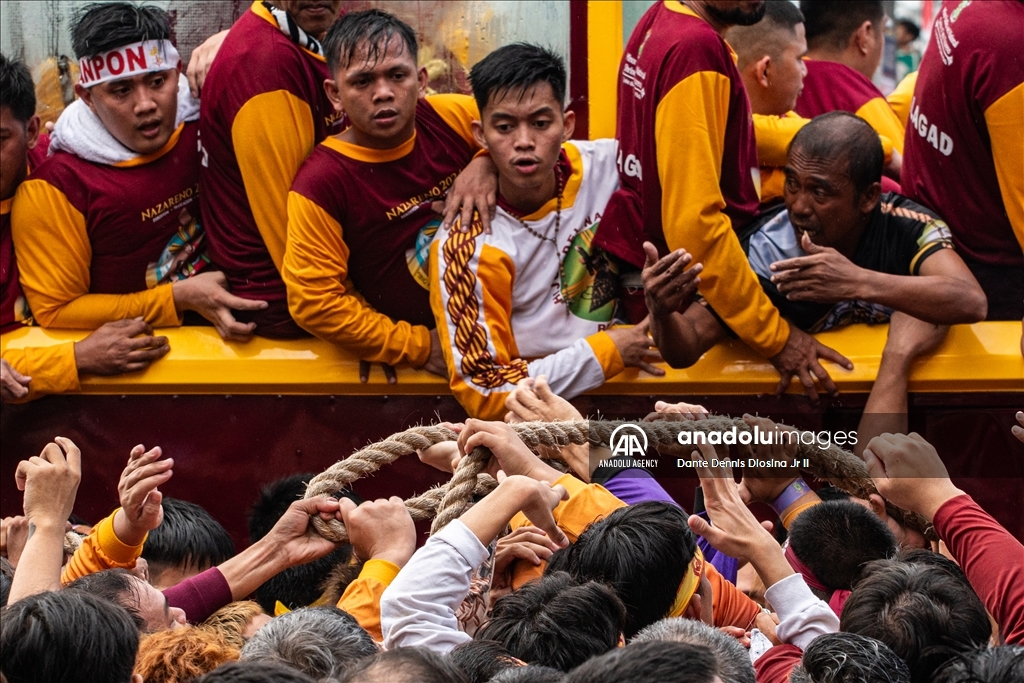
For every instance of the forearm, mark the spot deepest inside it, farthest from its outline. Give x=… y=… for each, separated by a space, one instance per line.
x=490 y=516
x=936 y=299
x=676 y=337
x=90 y=311
x=40 y=562
x=770 y=563
x=251 y=568
x=886 y=408
x=802 y=616
x=583 y=366
x=52 y=368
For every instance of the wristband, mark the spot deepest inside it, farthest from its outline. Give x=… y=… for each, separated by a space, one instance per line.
x=789 y=496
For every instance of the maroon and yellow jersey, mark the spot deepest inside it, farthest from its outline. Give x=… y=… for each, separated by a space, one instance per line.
x=12 y=303
x=965 y=140
x=98 y=243
x=688 y=165
x=359 y=230
x=830 y=86
x=263 y=110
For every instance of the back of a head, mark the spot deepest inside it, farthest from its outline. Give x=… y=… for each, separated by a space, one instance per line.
x=67 y=637
x=296 y=586
x=319 y=641
x=114 y=585
x=647 y=662
x=924 y=614
x=5 y=588
x=830 y=23
x=850 y=658
x=912 y=29
x=182 y=654
x=376 y=29
x=768 y=36
x=556 y=622
x=1004 y=664
x=405 y=665
x=642 y=551
x=835 y=539
x=481 y=660
x=189 y=539
x=254 y=672
x=842 y=135
x=529 y=674
x=513 y=69
x=733 y=660
x=234 y=619
x=101 y=27
x=17 y=90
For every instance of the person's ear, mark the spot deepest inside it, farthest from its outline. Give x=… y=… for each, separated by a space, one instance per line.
x=569 y=125
x=478 y=134
x=864 y=38
x=334 y=95
x=869 y=198
x=424 y=79
x=761 y=71
x=85 y=94
x=694 y=609
x=32 y=131
x=877 y=504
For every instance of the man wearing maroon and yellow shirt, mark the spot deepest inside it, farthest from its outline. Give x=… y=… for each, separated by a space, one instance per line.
x=359 y=213
x=689 y=173
x=26 y=373
x=845 y=41
x=263 y=110
x=965 y=142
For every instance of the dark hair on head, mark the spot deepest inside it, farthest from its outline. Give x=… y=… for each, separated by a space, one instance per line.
x=67 y=637
x=516 y=67
x=924 y=614
x=189 y=536
x=837 y=538
x=642 y=551
x=482 y=660
x=910 y=27
x=930 y=558
x=1003 y=664
x=254 y=672
x=100 y=27
x=529 y=674
x=405 y=665
x=647 y=662
x=297 y=586
x=5 y=588
x=850 y=658
x=320 y=641
x=830 y=23
x=768 y=36
x=842 y=135
x=116 y=586
x=557 y=622
x=733 y=659
x=17 y=91
x=374 y=27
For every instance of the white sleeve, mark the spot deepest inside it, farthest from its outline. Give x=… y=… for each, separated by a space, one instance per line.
x=802 y=615
x=570 y=371
x=418 y=608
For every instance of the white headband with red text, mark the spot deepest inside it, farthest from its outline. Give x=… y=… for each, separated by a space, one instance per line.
x=127 y=61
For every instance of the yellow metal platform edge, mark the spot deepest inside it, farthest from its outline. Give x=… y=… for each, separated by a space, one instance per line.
x=984 y=357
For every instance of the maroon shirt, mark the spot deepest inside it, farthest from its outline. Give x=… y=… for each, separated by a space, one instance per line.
x=830 y=86
x=12 y=302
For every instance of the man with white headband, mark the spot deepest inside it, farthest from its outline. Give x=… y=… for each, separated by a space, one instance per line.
x=109 y=226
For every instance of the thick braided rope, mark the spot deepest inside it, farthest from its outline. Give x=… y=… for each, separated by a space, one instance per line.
x=464 y=311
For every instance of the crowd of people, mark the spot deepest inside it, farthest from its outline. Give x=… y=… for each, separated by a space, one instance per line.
x=300 y=180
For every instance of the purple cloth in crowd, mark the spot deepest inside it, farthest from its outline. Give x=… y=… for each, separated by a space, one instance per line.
x=201 y=595
x=638 y=486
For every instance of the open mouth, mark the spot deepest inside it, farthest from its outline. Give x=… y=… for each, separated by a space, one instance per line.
x=150 y=129
x=385 y=117
x=526 y=166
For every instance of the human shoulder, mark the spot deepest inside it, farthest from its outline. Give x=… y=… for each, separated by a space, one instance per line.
x=325 y=176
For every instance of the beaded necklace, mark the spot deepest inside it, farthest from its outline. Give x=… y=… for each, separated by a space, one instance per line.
x=558 y=215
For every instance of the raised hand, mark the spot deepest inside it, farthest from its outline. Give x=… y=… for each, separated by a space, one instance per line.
x=669 y=283
x=380 y=529
x=50 y=482
x=13 y=534
x=765 y=484
x=823 y=276
x=207 y=294
x=141 y=500
x=509 y=452
x=908 y=472
x=637 y=348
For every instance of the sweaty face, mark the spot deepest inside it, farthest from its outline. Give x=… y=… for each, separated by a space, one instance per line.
x=16 y=139
x=379 y=96
x=154 y=609
x=524 y=130
x=139 y=111
x=313 y=16
x=787 y=77
x=736 y=12
x=820 y=198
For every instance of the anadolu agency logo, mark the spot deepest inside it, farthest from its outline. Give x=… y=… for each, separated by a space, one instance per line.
x=628 y=444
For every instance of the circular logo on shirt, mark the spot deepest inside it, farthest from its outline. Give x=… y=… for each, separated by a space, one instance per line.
x=588 y=279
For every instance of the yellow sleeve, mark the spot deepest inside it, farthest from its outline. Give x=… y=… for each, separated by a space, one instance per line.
x=272 y=134
x=362 y=597
x=900 y=98
x=690 y=136
x=52 y=368
x=773 y=135
x=100 y=550
x=884 y=120
x=587 y=504
x=607 y=354
x=773 y=183
x=54 y=256
x=459 y=112
x=323 y=300
x=1005 y=121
